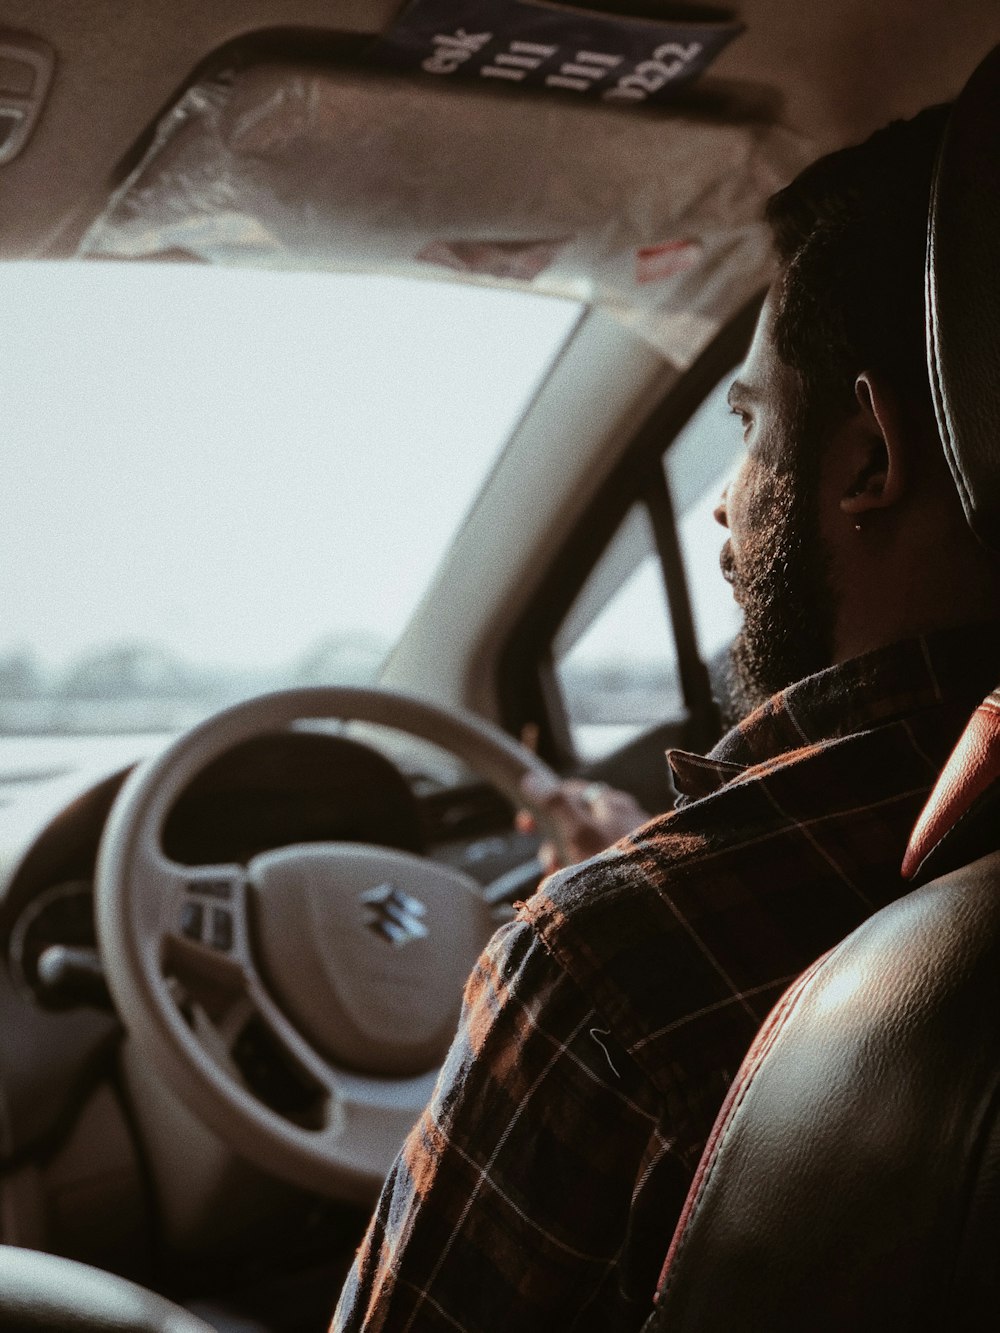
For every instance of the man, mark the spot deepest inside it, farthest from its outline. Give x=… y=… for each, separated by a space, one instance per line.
x=601 y=1029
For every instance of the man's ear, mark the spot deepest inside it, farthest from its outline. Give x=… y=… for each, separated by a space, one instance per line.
x=879 y=473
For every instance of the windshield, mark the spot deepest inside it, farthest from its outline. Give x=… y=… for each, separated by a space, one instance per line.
x=225 y=481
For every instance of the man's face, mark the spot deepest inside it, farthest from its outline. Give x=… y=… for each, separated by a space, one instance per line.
x=775 y=558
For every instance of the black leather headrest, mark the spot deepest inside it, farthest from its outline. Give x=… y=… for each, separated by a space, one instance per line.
x=963 y=297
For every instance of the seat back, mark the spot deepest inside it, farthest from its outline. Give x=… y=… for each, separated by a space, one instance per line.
x=852 y=1179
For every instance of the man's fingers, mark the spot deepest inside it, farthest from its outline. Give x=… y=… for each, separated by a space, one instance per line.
x=561 y=801
x=589 y=816
x=540 y=789
x=525 y=822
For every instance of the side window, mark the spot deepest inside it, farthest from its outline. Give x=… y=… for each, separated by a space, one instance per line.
x=698 y=466
x=616 y=653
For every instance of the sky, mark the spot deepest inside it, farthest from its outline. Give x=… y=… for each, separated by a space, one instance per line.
x=237 y=463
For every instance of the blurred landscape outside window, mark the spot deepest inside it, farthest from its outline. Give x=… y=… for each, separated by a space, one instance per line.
x=615 y=653
x=222 y=481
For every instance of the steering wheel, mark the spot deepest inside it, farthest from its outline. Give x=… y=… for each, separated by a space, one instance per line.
x=328 y=975
x=43 y=1293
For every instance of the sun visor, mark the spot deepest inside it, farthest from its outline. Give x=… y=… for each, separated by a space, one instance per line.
x=653 y=216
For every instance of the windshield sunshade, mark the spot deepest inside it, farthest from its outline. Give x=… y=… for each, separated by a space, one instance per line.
x=655 y=217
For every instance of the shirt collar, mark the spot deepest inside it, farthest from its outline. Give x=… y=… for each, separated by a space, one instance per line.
x=950 y=666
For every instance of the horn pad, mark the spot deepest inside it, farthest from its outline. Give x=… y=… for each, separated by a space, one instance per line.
x=367 y=950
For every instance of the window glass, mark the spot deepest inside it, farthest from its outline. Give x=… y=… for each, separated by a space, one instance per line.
x=615 y=653
x=698 y=465
x=615 y=658
x=223 y=481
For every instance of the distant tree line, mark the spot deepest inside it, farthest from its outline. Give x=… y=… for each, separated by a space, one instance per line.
x=140 y=685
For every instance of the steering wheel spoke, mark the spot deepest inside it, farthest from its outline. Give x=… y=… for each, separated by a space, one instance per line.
x=204 y=913
x=278 y=1038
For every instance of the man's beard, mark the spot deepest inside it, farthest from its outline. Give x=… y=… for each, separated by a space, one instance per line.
x=783 y=588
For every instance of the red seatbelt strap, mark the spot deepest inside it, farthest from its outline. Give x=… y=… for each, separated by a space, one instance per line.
x=973 y=766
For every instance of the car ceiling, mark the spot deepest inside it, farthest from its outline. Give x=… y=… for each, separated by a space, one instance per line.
x=830 y=72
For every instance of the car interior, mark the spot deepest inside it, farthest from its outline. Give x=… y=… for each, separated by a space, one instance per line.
x=208 y=1058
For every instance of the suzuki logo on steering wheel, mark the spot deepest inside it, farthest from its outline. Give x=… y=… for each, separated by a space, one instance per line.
x=396 y=916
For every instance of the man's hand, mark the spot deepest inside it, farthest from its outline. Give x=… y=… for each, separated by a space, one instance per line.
x=590 y=815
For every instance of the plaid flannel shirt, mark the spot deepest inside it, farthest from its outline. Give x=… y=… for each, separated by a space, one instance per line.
x=540 y=1188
